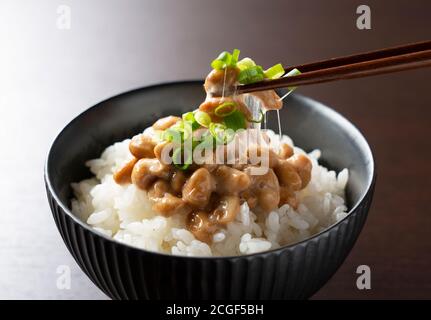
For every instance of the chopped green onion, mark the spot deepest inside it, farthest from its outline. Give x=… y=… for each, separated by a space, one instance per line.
x=235 y=57
x=176 y=158
x=183 y=128
x=274 y=72
x=225 y=109
x=226 y=59
x=217 y=130
x=222 y=61
x=251 y=75
x=172 y=135
x=189 y=117
x=221 y=133
x=258 y=120
x=293 y=72
x=245 y=63
x=235 y=121
x=203 y=118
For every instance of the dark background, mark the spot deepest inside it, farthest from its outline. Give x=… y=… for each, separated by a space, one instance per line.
x=48 y=76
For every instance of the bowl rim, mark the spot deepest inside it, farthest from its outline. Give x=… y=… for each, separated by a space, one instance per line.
x=323 y=108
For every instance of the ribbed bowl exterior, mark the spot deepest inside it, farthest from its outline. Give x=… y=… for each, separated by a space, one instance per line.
x=293 y=272
x=124 y=272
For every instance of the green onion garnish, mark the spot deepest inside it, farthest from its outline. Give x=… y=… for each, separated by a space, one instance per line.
x=235 y=57
x=203 y=118
x=293 y=72
x=226 y=59
x=176 y=158
x=222 y=61
x=235 y=121
x=189 y=117
x=251 y=75
x=217 y=131
x=225 y=109
x=245 y=63
x=172 y=135
x=258 y=120
x=221 y=133
x=274 y=72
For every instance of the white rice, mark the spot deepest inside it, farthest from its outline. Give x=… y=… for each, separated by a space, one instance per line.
x=124 y=212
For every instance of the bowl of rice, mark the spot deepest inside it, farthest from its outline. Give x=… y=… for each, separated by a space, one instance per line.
x=131 y=252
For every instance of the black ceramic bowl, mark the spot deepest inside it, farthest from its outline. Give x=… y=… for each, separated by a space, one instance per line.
x=123 y=272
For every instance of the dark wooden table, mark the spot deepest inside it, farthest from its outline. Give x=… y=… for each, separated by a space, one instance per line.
x=48 y=76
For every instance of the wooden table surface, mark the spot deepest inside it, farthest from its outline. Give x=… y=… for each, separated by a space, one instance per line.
x=48 y=76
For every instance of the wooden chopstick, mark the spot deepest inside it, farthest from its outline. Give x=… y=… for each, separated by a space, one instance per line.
x=411 y=56
x=376 y=54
